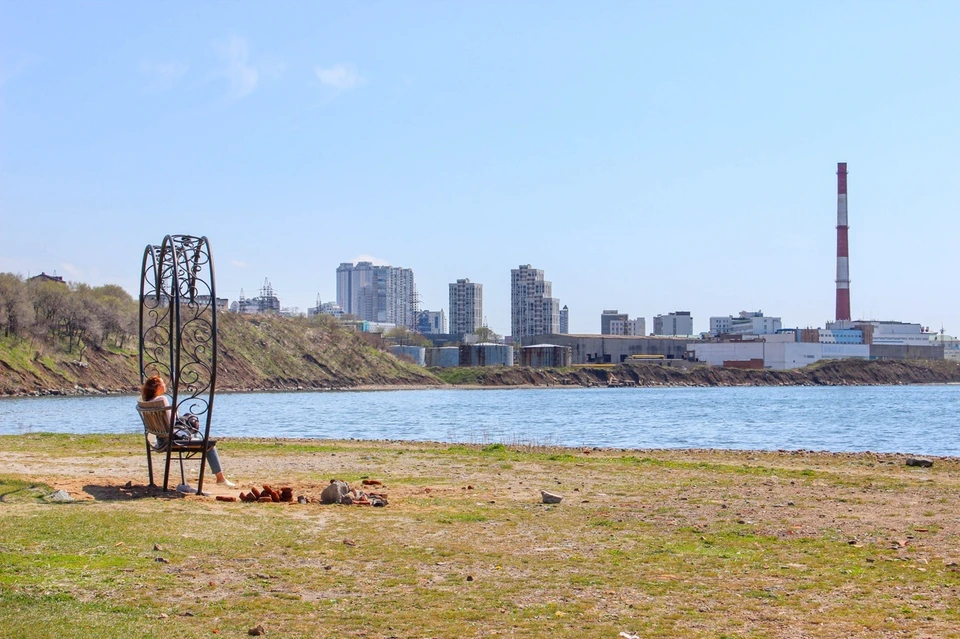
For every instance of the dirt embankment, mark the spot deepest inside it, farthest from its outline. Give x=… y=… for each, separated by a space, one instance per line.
x=828 y=373
x=277 y=353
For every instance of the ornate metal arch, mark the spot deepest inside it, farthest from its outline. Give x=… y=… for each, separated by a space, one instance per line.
x=178 y=329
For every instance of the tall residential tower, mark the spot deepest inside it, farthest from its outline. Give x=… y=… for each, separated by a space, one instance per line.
x=533 y=309
x=377 y=293
x=466 y=307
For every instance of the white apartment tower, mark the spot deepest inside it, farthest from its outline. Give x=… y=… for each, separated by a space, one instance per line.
x=533 y=309
x=678 y=323
x=466 y=307
x=377 y=293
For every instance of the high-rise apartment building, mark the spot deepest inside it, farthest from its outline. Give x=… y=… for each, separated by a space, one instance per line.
x=377 y=293
x=466 y=307
x=533 y=309
x=677 y=323
x=608 y=316
x=564 y=320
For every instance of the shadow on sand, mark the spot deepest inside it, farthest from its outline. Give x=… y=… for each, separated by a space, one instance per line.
x=128 y=492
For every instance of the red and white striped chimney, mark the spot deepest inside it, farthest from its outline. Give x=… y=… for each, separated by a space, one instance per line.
x=843 y=251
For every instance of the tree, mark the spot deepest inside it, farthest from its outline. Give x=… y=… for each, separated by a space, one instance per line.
x=405 y=337
x=14 y=305
x=486 y=334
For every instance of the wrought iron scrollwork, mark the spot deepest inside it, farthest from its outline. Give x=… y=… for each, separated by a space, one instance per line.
x=178 y=327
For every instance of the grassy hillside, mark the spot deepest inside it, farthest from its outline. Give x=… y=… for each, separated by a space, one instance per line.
x=256 y=352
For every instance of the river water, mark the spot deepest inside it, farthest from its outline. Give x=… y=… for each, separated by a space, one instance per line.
x=909 y=419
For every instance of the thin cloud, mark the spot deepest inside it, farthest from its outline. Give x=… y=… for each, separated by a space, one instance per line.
x=340 y=77
x=72 y=272
x=164 y=75
x=238 y=264
x=243 y=77
x=376 y=261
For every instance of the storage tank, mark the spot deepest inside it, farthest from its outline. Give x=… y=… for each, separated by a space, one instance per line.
x=443 y=357
x=415 y=353
x=486 y=355
x=546 y=356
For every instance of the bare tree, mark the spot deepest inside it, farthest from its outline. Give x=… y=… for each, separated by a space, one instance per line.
x=14 y=305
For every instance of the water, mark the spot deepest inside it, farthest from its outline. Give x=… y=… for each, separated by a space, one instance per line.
x=911 y=419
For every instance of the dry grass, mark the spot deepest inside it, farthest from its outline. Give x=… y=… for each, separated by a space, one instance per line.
x=657 y=543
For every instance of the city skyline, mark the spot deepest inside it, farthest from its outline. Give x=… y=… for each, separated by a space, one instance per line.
x=648 y=156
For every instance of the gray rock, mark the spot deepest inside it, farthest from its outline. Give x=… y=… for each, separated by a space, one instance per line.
x=917 y=461
x=334 y=492
x=550 y=498
x=61 y=496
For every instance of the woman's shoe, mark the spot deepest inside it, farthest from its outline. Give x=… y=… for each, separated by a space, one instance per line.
x=226 y=483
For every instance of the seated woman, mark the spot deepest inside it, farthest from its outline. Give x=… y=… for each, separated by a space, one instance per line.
x=153 y=391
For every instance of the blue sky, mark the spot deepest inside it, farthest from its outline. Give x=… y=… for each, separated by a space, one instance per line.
x=649 y=156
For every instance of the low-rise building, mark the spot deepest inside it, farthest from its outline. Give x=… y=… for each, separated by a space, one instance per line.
x=676 y=323
x=745 y=323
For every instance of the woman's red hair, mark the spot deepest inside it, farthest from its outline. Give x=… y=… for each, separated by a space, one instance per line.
x=151 y=387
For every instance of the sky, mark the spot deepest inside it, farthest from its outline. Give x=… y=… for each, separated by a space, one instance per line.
x=648 y=156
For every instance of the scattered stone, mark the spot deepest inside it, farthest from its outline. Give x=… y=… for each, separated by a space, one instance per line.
x=349 y=542
x=301 y=499
x=162 y=615
x=372 y=482
x=919 y=461
x=346 y=500
x=186 y=613
x=226 y=498
x=332 y=493
x=550 y=498
x=129 y=484
x=157 y=547
x=265 y=499
x=161 y=560
x=469 y=577
x=61 y=496
x=256 y=631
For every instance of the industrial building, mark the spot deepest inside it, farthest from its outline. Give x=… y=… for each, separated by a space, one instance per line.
x=486 y=355
x=466 y=306
x=533 y=309
x=415 y=354
x=775 y=354
x=546 y=356
x=612 y=349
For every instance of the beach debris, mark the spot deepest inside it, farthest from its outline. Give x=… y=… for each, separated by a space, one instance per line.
x=333 y=493
x=550 y=498
x=919 y=461
x=256 y=631
x=61 y=497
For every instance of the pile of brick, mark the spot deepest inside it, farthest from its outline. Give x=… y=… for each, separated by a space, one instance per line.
x=268 y=494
